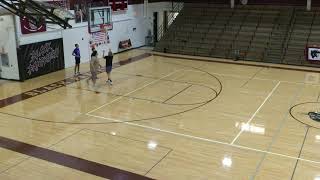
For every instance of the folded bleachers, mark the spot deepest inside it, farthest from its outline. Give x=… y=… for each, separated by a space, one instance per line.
x=254 y=33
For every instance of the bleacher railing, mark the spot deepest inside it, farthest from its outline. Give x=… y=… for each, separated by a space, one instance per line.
x=288 y=34
x=176 y=7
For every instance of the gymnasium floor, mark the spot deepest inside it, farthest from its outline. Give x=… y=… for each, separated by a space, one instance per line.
x=164 y=118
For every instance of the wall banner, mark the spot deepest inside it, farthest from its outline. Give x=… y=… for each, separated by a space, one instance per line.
x=27 y=27
x=313 y=53
x=40 y=58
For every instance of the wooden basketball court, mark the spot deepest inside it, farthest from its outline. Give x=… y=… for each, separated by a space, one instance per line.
x=164 y=118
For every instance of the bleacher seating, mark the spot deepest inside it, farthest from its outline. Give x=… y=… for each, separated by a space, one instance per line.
x=254 y=33
x=298 y=37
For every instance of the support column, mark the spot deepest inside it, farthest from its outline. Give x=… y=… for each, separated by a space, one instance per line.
x=145 y=8
x=308 y=5
x=232 y=3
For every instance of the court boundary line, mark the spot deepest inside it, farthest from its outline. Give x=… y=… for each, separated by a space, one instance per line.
x=303 y=143
x=277 y=131
x=256 y=112
x=205 y=139
x=240 y=63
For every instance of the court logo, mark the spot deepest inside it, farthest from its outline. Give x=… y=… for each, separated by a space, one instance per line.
x=314 y=53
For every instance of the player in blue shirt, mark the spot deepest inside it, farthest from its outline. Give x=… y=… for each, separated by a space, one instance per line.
x=76 y=54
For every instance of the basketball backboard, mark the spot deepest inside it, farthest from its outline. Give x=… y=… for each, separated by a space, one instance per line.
x=98 y=17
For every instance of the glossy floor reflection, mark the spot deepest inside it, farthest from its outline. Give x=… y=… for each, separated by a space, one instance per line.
x=164 y=118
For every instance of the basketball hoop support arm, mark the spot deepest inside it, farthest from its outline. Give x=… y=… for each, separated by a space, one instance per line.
x=34 y=12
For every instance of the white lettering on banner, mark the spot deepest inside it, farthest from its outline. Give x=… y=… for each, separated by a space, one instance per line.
x=42 y=56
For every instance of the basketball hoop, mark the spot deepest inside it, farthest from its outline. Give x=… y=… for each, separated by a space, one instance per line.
x=106 y=27
x=109 y=26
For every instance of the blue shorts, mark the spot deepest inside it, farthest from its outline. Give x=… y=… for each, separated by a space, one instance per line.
x=108 y=69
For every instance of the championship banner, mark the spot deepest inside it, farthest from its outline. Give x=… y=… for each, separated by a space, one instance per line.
x=313 y=53
x=40 y=58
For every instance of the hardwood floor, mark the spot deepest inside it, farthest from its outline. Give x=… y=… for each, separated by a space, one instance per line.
x=163 y=118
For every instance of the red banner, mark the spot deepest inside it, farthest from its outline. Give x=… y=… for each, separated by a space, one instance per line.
x=28 y=28
x=125 y=44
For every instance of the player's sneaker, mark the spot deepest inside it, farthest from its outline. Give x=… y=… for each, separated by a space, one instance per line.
x=109 y=81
